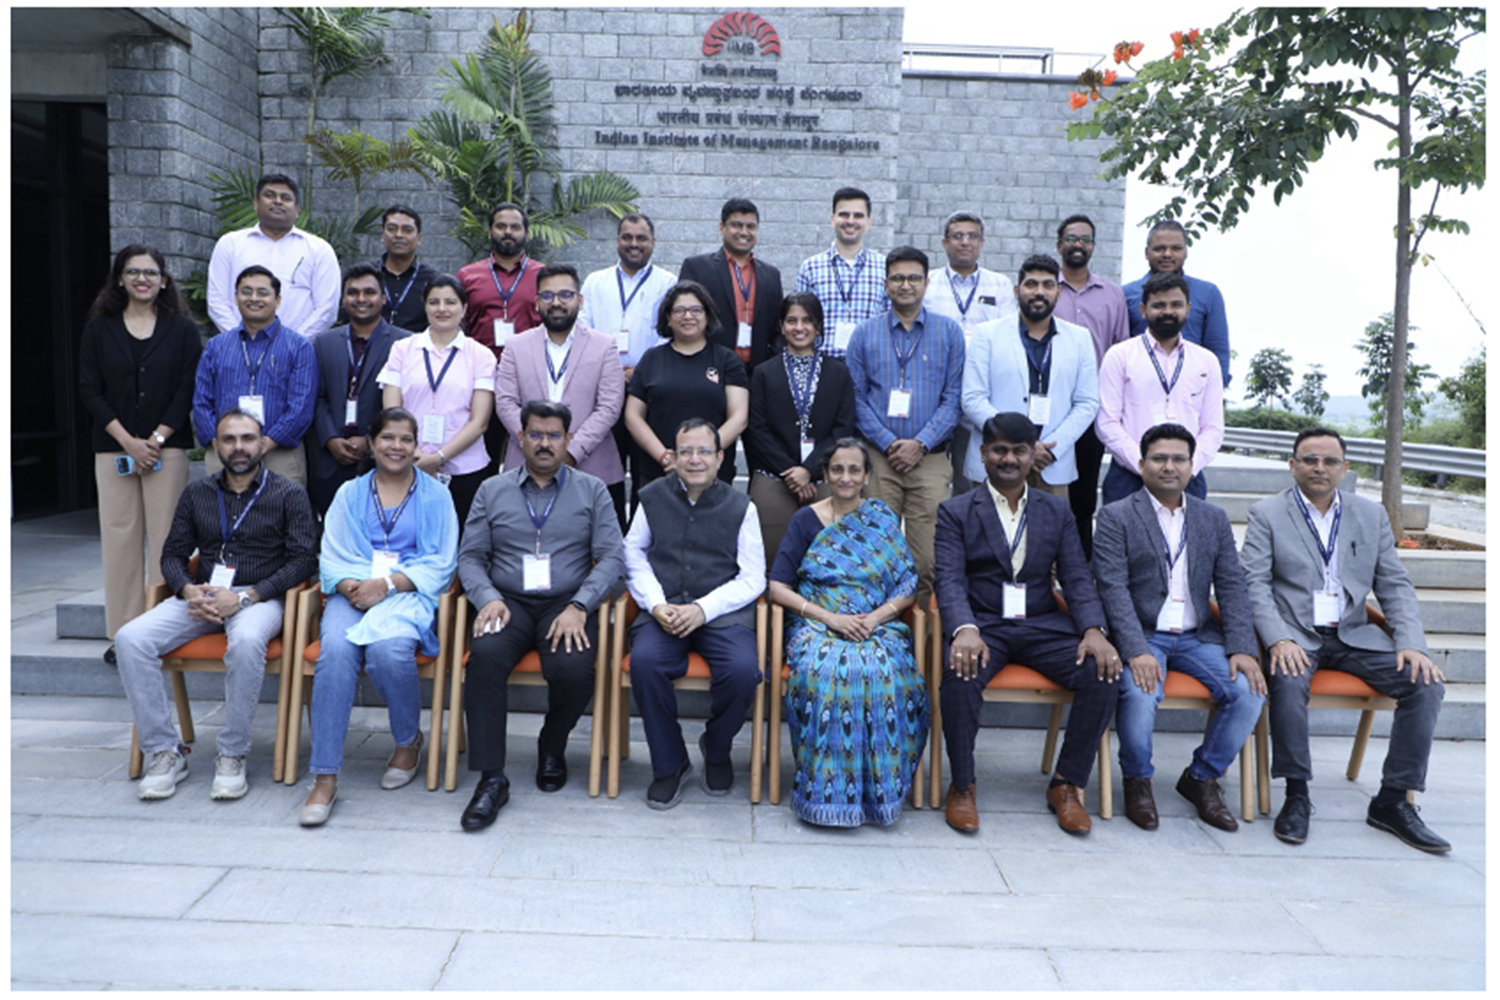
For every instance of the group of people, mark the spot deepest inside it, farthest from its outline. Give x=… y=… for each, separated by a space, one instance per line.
x=905 y=432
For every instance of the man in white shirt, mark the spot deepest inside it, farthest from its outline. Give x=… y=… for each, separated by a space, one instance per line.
x=305 y=264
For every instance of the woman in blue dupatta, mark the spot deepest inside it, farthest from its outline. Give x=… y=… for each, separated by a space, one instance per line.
x=390 y=548
x=856 y=706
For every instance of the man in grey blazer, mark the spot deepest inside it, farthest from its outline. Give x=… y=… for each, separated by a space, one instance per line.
x=1155 y=555
x=1312 y=556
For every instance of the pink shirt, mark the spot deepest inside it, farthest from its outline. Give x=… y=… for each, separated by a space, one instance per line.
x=1173 y=523
x=473 y=370
x=1132 y=400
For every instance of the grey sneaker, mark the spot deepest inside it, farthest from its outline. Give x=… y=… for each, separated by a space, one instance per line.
x=229 y=778
x=167 y=769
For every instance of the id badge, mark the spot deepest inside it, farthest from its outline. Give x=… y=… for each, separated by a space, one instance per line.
x=383 y=564
x=1325 y=608
x=503 y=329
x=841 y=333
x=1015 y=600
x=1039 y=409
x=432 y=429
x=351 y=413
x=536 y=572
x=1173 y=614
x=807 y=448
x=742 y=335
x=255 y=405
x=444 y=479
x=222 y=576
x=622 y=341
x=900 y=404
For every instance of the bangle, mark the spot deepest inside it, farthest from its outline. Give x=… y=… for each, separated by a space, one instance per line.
x=663 y=459
x=802 y=612
x=442 y=457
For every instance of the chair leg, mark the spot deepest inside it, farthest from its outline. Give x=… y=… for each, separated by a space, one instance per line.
x=773 y=736
x=294 y=721
x=1106 y=779
x=1361 y=741
x=1247 y=783
x=136 y=758
x=935 y=713
x=601 y=703
x=757 y=744
x=455 y=715
x=617 y=732
x=435 y=723
x=184 y=707
x=283 y=706
x=1049 y=748
x=1263 y=763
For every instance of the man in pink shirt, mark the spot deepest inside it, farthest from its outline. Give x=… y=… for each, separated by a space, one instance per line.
x=1154 y=379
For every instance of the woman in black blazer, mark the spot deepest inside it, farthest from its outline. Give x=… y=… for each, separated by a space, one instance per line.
x=800 y=403
x=137 y=362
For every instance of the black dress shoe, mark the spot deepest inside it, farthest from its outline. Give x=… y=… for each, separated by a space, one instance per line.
x=718 y=779
x=1291 y=822
x=665 y=793
x=1401 y=819
x=482 y=809
x=109 y=656
x=551 y=772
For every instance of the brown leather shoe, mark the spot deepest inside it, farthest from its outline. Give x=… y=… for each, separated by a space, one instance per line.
x=1067 y=802
x=1140 y=804
x=1209 y=799
x=963 y=814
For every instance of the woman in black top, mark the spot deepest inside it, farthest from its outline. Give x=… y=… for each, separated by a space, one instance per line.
x=137 y=362
x=689 y=376
x=800 y=403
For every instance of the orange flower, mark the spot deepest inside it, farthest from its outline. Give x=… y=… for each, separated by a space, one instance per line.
x=1177 y=39
x=1135 y=48
x=1193 y=36
x=1110 y=76
x=1177 y=53
x=1077 y=100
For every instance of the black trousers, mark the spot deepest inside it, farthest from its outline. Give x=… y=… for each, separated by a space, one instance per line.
x=1083 y=492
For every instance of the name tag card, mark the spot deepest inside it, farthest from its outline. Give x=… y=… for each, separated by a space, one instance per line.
x=222 y=576
x=1172 y=615
x=807 y=448
x=255 y=405
x=536 y=572
x=1039 y=409
x=1015 y=600
x=622 y=341
x=742 y=335
x=1325 y=608
x=351 y=413
x=503 y=329
x=383 y=564
x=841 y=334
x=432 y=429
x=900 y=405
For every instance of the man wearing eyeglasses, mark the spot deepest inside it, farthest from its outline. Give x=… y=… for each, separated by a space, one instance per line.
x=540 y=551
x=563 y=361
x=1312 y=557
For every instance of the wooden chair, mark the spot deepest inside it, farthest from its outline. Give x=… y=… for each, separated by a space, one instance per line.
x=527 y=672
x=309 y=615
x=780 y=673
x=205 y=654
x=696 y=679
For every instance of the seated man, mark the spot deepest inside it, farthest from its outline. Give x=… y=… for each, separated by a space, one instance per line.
x=996 y=549
x=1309 y=578
x=256 y=537
x=540 y=551
x=1154 y=557
x=698 y=589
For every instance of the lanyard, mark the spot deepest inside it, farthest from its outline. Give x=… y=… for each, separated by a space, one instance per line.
x=1333 y=532
x=254 y=370
x=1015 y=544
x=803 y=393
x=963 y=304
x=396 y=306
x=504 y=295
x=1044 y=372
x=541 y=521
x=554 y=373
x=639 y=284
x=226 y=532
x=427 y=360
x=1161 y=375
x=1181 y=544
x=380 y=510
x=837 y=280
x=356 y=369
x=904 y=359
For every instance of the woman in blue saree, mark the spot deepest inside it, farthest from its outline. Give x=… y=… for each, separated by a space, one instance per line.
x=856 y=706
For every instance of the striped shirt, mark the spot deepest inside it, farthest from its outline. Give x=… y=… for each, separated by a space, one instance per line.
x=286 y=379
x=849 y=293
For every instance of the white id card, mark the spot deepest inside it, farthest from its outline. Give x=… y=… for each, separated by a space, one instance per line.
x=841 y=333
x=742 y=335
x=1325 y=608
x=503 y=329
x=1039 y=409
x=222 y=576
x=255 y=405
x=622 y=341
x=1015 y=600
x=351 y=412
x=807 y=448
x=432 y=429
x=383 y=564
x=900 y=404
x=1173 y=614
x=536 y=572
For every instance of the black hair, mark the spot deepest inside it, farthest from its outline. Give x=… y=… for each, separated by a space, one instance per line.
x=446 y=281
x=252 y=271
x=502 y=206
x=1317 y=432
x=735 y=206
x=1077 y=217
x=1163 y=282
x=266 y=179
x=1039 y=262
x=900 y=254
x=808 y=301
x=1168 y=432
x=393 y=415
x=545 y=409
x=692 y=424
x=1016 y=428
x=401 y=210
x=677 y=291
x=637 y=217
x=112 y=298
x=553 y=270
x=360 y=269
x=850 y=194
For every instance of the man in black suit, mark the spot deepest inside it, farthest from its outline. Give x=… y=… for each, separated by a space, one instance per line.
x=745 y=291
x=349 y=358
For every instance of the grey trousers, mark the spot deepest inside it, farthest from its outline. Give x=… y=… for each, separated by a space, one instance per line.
x=139 y=646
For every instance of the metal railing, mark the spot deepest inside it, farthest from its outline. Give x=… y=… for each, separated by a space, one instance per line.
x=1439 y=459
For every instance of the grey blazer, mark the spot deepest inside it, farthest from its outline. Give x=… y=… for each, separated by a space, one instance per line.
x=1283 y=571
x=1132 y=574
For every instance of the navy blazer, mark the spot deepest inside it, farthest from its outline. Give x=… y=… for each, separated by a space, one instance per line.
x=1132 y=573
x=332 y=350
x=711 y=270
x=973 y=562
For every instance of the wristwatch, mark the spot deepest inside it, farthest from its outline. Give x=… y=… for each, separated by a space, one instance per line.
x=158 y=438
x=390 y=585
x=245 y=599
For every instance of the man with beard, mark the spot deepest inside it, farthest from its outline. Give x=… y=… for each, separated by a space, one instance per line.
x=255 y=537
x=1159 y=379
x=1206 y=325
x=563 y=361
x=540 y=551
x=746 y=291
x=1041 y=366
x=402 y=277
x=1098 y=306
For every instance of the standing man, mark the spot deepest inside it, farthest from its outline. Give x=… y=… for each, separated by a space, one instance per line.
x=997 y=547
x=1207 y=325
x=348 y=398
x=1145 y=381
x=264 y=368
x=908 y=371
x=255 y=537
x=695 y=565
x=970 y=295
x=1157 y=556
x=848 y=279
x=563 y=361
x=541 y=551
x=402 y=276
x=1047 y=373
x=305 y=264
x=1309 y=578
x=746 y=292
x=1098 y=306
x=623 y=300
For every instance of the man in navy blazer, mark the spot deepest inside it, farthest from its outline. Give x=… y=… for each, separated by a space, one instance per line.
x=996 y=550
x=1154 y=558
x=349 y=358
x=746 y=292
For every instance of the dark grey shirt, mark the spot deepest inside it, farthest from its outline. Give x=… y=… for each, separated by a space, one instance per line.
x=581 y=537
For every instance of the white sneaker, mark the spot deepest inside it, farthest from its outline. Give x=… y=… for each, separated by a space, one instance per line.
x=229 y=778
x=167 y=769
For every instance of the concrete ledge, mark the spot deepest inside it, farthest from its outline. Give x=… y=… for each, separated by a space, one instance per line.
x=1414 y=516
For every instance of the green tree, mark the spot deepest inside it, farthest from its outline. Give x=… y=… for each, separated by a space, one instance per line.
x=498 y=142
x=1377 y=346
x=1270 y=376
x=1310 y=395
x=1253 y=103
x=1467 y=390
x=358 y=157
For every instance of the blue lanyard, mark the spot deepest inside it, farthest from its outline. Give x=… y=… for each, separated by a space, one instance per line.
x=554 y=373
x=404 y=292
x=356 y=369
x=541 y=521
x=963 y=304
x=427 y=360
x=803 y=393
x=504 y=295
x=1044 y=372
x=254 y=371
x=739 y=277
x=904 y=359
x=1333 y=532
x=1015 y=544
x=856 y=268
x=226 y=532
x=640 y=282
x=1161 y=375
x=380 y=511
x=1181 y=544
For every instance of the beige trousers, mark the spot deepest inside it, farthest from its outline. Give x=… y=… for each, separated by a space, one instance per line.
x=135 y=514
x=775 y=505
x=914 y=496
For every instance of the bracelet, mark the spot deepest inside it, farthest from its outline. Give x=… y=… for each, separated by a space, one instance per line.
x=801 y=613
x=663 y=459
x=442 y=457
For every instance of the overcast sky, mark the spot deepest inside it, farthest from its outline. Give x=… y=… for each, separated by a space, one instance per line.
x=1305 y=276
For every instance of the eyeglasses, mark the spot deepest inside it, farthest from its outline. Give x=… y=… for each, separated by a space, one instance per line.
x=1170 y=459
x=1077 y=241
x=906 y=279
x=551 y=437
x=681 y=311
x=686 y=453
x=966 y=237
x=141 y=272
x=256 y=293
x=1313 y=461
x=565 y=296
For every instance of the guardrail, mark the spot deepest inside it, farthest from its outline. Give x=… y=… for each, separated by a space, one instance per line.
x=1439 y=459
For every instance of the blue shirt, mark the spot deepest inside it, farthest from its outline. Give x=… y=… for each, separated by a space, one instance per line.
x=849 y=293
x=935 y=376
x=1206 y=325
x=286 y=379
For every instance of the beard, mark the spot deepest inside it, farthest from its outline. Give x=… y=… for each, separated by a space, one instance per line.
x=1076 y=257
x=1037 y=309
x=1164 y=327
x=241 y=462
x=557 y=321
x=508 y=247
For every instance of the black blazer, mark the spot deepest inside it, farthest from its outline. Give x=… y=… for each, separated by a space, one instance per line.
x=711 y=270
x=773 y=438
x=157 y=391
x=332 y=350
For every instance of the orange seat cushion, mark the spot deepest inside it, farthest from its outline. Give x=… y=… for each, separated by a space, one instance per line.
x=531 y=663
x=1338 y=682
x=697 y=666
x=1014 y=677
x=212 y=647
x=315 y=647
x=1180 y=685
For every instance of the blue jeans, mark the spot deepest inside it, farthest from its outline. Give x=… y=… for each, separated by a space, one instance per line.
x=1227 y=731
x=1120 y=482
x=391 y=665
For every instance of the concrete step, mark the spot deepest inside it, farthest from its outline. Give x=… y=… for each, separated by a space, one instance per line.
x=1461 y=657
x=1445 y=610
x=1448 y=570
x=1414 y=516
x=1230 y=476
x=82 y=617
